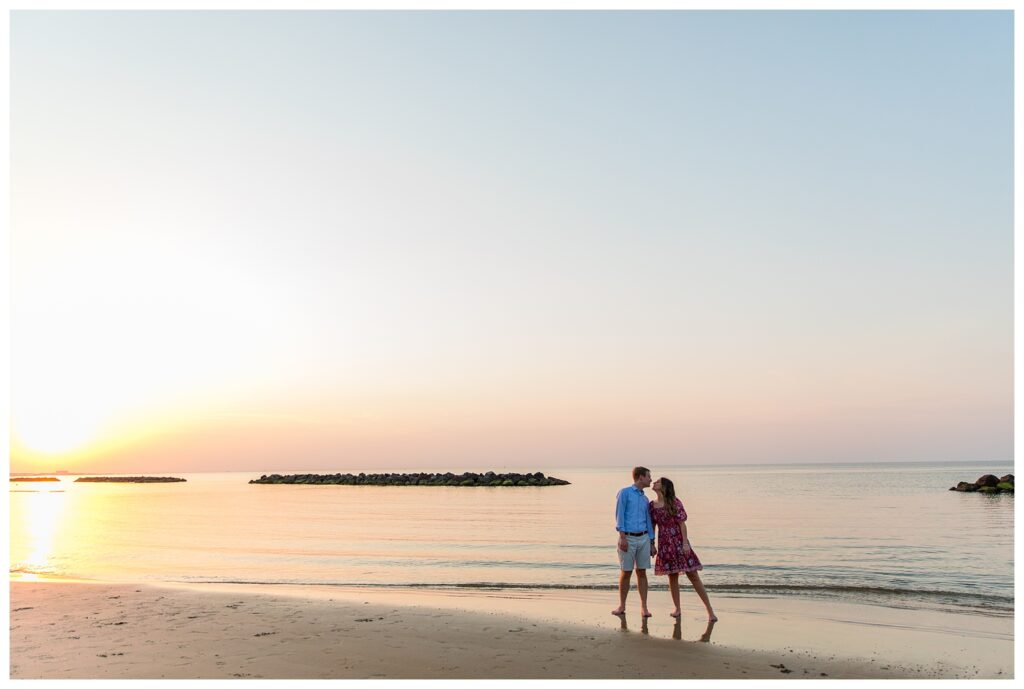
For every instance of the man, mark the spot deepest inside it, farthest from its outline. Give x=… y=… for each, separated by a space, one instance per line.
x=636 y=538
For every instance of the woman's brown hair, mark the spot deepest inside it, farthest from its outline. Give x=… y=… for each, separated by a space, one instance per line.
x=668 y=489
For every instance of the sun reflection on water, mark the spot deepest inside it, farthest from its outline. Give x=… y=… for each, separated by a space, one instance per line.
x=38 y=514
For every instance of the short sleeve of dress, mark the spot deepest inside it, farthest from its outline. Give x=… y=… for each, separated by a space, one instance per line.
x=680 y=511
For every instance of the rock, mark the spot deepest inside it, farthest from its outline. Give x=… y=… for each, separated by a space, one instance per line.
x=1006 y=479
x=988 y=489
x=965 y=487
x=987 y=480
x=467 y=479
x=1005 y=485
x=129 y=479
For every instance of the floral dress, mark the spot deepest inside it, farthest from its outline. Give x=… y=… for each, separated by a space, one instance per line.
x=670 y=559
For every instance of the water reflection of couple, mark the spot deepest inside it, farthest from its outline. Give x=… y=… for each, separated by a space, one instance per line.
x=677 y=629
x=635 y=520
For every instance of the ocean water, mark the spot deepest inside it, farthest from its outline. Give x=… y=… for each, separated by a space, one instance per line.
x=886 y=534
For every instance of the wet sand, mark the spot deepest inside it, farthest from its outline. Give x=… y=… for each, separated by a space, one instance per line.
x=96 y=630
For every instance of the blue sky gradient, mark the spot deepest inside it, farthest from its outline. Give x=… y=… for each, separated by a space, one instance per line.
x=436 y=238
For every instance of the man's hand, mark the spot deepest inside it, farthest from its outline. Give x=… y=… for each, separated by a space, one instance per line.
x=654 y=550
x=622 y=542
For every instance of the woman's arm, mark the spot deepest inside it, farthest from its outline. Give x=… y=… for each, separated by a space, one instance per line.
x=686 y=541
x=650 y=529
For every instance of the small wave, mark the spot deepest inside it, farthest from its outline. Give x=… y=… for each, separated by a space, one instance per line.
x=989 y=601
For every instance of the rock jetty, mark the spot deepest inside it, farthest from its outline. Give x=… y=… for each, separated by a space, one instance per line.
x=988 y=483
x=33 y=478
x=129 y=479
x=467 y=480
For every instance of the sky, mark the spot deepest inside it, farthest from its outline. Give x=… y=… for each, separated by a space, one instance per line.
x=246 y=241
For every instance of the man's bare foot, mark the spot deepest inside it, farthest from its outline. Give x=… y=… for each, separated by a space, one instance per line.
x=712 y=617
x=674 y=613
x=619 y=611
x=644 y=612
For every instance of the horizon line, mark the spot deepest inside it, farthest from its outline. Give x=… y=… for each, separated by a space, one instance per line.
x=63 y=472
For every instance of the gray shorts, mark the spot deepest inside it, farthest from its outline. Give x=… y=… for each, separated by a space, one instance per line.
x=638 y=553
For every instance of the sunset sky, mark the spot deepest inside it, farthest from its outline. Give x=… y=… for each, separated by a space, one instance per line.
x=327 y=241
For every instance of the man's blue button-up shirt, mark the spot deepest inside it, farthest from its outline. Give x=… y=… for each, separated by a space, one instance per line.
x=631 y=512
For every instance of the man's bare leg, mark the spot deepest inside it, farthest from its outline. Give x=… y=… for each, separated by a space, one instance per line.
x=623 y=591
x=641 y=586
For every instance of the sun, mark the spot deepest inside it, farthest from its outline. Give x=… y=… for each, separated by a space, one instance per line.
x=55 y=429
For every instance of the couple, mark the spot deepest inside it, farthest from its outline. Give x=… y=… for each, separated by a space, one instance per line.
x=635 y=519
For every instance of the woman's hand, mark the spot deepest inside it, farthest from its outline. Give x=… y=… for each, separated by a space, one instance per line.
x=686 y=547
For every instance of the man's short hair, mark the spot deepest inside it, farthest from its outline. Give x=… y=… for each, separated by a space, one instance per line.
x=640 y=471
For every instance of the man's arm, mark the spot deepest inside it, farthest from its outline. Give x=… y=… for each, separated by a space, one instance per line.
x=620 y=511
x=620 y=519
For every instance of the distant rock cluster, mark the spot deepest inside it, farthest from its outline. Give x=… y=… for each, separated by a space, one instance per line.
x=987 y=484
x=128 y=479
x=467 y=479
x=33 y=478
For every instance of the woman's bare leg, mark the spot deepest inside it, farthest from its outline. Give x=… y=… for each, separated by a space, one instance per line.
x=698 y=586
x=673 y=587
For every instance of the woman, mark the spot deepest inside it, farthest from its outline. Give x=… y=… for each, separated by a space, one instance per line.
x=674 y=552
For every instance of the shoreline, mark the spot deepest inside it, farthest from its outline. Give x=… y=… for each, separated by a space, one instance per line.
x=75 y=629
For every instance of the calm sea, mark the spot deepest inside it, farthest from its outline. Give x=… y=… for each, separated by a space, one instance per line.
x=888 y=534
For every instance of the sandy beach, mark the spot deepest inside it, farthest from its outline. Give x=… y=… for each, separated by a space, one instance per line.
x=79 y=630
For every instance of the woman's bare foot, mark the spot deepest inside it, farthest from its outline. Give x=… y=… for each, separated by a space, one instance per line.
x=619 y=611
x=674 y=613
x=712 y=617
x=644 y=612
